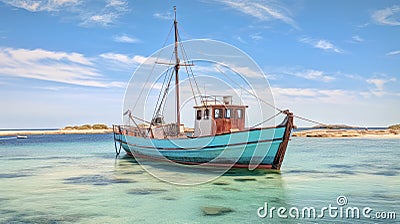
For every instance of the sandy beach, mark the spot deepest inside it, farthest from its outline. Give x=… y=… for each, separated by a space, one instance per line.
x=55 y=132
x=314 y=133
x=340 y=133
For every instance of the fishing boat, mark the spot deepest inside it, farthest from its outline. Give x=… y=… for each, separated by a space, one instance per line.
x=219 y=138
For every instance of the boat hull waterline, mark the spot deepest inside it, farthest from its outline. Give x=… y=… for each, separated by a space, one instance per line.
x=261 y=148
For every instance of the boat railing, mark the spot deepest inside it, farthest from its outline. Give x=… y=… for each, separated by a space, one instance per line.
x=157 y=131
x=129 y=130
x=216 y=99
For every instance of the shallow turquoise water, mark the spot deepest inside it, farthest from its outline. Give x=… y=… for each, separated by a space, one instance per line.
x=76 y=179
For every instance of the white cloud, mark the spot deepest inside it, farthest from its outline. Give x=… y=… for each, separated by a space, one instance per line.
x=240 y=39
x=321 y=44
x=89 y=12
x=256 y=36
x=71 y=68
x=107 y=15
x=247 y=72
x=103 y=19
x=314 y=95
x=354 y=76
x=166 y=15
x=388 y=16
x=393 y=53
x=36 y=6
x=357 y=38
x=26 y=55
x=125 y=59
x=126 y=39
x=296 y=92
x=363 y=25
x=379 y=84
x=309 y=74
x=326 y=45
x=262 y=10
x=122 y=5
x=242 y=70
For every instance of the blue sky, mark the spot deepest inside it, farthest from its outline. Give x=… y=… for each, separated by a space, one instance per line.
x=67 y=62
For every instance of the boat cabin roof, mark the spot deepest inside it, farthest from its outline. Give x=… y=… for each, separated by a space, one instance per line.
x=219 y=105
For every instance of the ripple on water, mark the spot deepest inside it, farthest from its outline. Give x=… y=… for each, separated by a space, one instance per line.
x=133 y=172
x=43 y=219
x=387 y=173
x=7 y=211
x=95 y=180
x=304 y=171
x=230 y=189
x=169 y=198
x=340 y=166
x=213 y=197
x=146 y=191
x=13 y=175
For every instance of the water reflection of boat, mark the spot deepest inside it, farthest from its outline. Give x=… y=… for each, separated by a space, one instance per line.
x=219 y=139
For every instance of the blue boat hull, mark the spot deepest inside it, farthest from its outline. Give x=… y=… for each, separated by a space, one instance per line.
x=257 y=148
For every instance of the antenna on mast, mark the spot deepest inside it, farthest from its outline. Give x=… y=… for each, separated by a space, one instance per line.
x=175 y=12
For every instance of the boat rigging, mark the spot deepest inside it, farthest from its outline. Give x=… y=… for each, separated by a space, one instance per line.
x=220 y=136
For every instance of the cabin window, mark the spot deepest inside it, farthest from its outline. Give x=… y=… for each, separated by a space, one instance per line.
x=239 y=113
x=228 y=113
x=206 y=114
x=198 y=115
x=218 y=113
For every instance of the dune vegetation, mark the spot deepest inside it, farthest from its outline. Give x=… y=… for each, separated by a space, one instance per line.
x=87 y=127
x=394 y=127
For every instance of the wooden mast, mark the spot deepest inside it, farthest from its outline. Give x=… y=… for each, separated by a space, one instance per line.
x=178 y=116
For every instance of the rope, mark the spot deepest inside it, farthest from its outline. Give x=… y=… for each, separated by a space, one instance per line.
x=274 y=107
x=166 y=92
x=184 y=54
x=186 y=58
x=117 y=151
x=309 y=120
x=141 y=119
x=156 y=109
x=115 y=140
x=249 y=92
x=152 y=69
x=159 y=103
x=270 y=118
